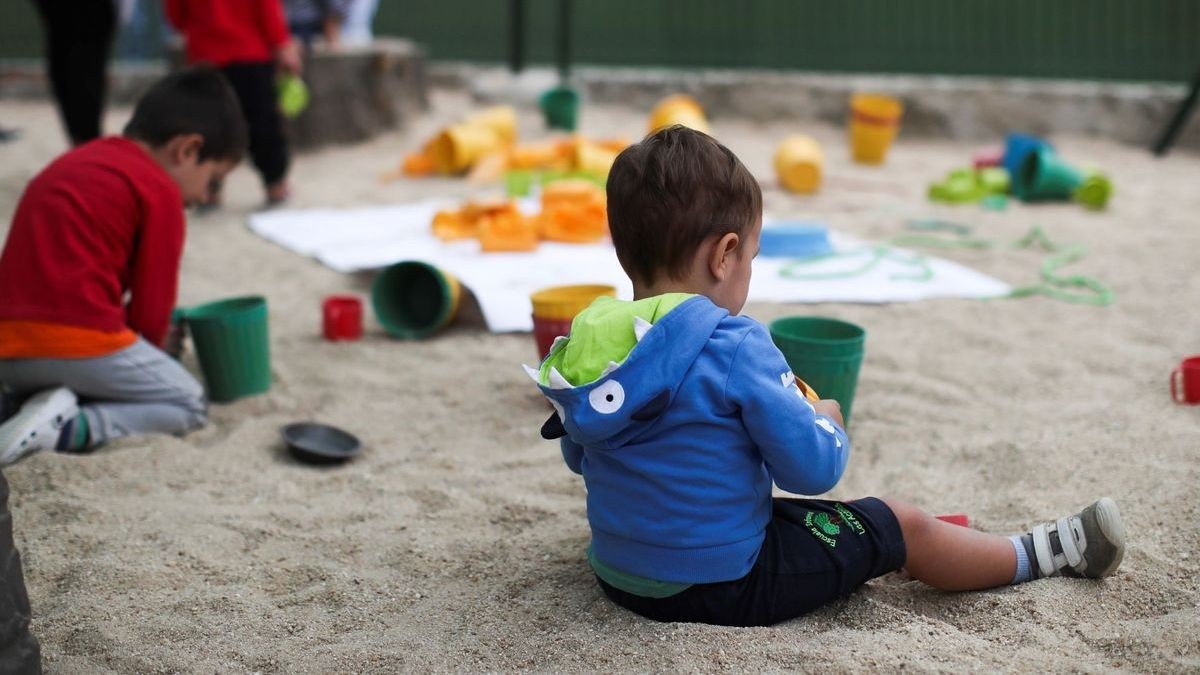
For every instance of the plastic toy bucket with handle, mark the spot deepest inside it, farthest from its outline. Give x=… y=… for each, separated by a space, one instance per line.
x=232 y=345
x=825 y=353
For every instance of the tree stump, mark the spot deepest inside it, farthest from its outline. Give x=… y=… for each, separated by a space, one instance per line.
x=359 y=92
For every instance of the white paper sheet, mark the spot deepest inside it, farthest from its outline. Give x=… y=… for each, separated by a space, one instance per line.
x=350 y=240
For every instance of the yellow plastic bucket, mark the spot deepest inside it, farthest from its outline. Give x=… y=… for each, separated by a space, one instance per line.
x=798 y=163
x=458 y=147
x=874 y=122
x=562 y=303
x=678 y=109
x=501 y=119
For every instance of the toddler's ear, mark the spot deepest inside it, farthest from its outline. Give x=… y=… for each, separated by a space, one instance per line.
x=722 y=250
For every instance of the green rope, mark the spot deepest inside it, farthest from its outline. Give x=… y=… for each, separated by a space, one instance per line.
x=1091 y=291
x=876 y=254
x=1077 y=288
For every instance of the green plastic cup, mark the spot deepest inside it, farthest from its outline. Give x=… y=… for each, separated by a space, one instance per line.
x=1043 y=175
x=1094 y=192
x=414 y=300
x=232 y=346
x=560 y=107
x=825 y=353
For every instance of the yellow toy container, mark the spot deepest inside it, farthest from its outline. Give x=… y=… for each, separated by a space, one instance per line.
x=501 y=119
x=554 y=309
x=798 y=163
x=678 y=109
x=564 y=302
x=874 y=122
x=458 y=147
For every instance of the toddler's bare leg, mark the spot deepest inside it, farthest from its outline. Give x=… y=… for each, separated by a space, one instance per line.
x=951 y=557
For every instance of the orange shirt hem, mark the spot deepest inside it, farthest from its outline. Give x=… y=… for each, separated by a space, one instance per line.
x=43 y=340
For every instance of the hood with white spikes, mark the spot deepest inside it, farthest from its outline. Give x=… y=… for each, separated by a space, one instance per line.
x=619 y=369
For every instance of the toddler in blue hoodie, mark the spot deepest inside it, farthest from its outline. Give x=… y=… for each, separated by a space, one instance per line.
x=681 y=415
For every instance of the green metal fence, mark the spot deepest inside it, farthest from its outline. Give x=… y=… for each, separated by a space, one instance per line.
x=1086 y=39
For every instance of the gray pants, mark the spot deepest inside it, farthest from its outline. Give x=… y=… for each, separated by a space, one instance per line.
x=134 y=391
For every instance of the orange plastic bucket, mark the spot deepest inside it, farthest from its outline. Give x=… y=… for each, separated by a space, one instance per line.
x=874 y=123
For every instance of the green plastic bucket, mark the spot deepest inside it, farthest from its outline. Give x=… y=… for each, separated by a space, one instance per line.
x=825 y=353
x=1044 y=175
x=413 y=300
x=560 y=107
x=232 y=346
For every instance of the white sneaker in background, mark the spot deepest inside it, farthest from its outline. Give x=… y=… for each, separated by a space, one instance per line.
x=36 y=426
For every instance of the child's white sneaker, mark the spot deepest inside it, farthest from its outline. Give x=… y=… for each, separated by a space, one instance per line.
x=37 y=425
x=1090 y=543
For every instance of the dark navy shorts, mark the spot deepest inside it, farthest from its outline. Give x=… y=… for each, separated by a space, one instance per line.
x=815 y=552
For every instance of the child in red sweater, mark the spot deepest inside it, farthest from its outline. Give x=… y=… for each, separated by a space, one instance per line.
x=89 y=272
x=248 y=40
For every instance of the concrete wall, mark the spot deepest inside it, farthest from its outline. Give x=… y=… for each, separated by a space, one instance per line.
x=967 y=108
x=357 y=104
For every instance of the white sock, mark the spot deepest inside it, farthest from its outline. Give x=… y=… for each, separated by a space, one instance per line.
x=1024 y=571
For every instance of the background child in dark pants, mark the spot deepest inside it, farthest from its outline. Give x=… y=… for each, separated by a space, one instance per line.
x=249 y=41
x=79 y=37
x=680 y=415
x=90 y=268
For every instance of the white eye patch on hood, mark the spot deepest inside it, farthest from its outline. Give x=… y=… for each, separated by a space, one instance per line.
x=607 y=398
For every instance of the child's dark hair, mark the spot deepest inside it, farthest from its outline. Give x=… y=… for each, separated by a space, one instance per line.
x=669 y=193
x=196 y=100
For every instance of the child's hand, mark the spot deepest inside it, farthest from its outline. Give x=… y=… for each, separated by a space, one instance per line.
x=831 y=409
x=173 y=343
x=289 y=58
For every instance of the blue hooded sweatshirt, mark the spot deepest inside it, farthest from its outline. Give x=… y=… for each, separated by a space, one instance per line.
x=679 y=437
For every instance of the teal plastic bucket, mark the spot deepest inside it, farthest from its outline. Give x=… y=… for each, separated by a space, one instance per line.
x=560 y=107
x=1043 y=175
x=232 y=346
x=826 y=353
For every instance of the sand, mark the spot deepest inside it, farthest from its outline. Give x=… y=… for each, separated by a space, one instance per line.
x=455 y=542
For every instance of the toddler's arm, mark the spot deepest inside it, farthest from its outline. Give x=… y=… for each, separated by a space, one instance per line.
x=805 y=452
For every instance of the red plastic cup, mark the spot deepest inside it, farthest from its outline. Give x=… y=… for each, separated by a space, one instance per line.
x=1185 y=381
x=545 y=330
x=988 y=158
x=342 y=317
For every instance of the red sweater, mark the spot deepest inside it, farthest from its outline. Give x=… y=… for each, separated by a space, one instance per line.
x=102 y=221
x=221 y=32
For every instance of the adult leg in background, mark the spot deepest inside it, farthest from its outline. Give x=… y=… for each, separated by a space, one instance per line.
x=79 y=37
